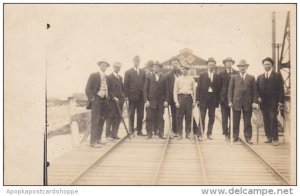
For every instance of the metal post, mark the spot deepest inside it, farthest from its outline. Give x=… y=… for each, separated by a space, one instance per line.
x=274 y=36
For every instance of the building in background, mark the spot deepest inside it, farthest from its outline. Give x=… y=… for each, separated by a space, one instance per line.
x=197 y=63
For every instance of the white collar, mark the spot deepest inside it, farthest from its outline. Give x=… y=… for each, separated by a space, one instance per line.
x=135 y=68
x=229 y=70
x=115 y=74
x=269 y=72
x=244 y=74
x=210 y=72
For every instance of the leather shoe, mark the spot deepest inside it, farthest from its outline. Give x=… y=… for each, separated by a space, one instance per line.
x=141 y=133
x=235 y=140
x=176 y=135
x=101 y=141
x=96 y=145
x=275 y=143
x=227 y=138
x=188 y=136
x=269 y=140
x=110 y=139
x=209 y=137
x=249 y=141
x=161 y=137
x=116 y=137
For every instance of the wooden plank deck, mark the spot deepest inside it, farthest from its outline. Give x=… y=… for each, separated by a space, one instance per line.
x=135 y=161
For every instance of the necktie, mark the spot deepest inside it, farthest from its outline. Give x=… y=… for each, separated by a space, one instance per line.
x=267 y=75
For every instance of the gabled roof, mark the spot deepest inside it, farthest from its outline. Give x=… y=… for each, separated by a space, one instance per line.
x=187 y=54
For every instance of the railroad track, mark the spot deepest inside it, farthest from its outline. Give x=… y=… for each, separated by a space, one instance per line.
x=138 y=161
x=268 y=166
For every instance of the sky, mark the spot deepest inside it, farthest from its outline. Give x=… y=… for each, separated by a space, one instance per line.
x=81 y=35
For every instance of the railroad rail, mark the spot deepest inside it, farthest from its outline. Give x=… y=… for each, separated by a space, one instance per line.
x=180 y=162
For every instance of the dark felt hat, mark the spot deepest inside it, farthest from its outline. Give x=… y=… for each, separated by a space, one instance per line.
x=268 y=59
x=228 y=59
x=211 y=59
x=242 y=63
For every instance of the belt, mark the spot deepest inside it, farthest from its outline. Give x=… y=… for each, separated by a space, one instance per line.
x=186 y=95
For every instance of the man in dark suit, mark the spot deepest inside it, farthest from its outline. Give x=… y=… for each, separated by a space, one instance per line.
x=134 y=81
x=155 y=96
x=225 y=76
x=271 y=95
x=242 y=96
x=208 y=90
x=170 y=77
x=97 y=92
x=117 y=96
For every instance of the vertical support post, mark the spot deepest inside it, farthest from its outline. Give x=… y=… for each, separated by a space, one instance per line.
x=274 y=39
x=73 y=123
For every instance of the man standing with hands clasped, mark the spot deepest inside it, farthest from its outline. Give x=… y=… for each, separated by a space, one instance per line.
x=242 y=96
x=184 y=98
x=208 y=95
x=134 y=81
x=271 y=96
x=155 y=96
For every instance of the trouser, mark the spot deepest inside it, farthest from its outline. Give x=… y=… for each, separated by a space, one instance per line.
x=114 y=118
x=184 y=110
x=247 y=114
x=174 y=116
x=225 y=111
x=98 y=117
x=154 y=120
x=211 y=117
x=137 y=106
x=270 y=122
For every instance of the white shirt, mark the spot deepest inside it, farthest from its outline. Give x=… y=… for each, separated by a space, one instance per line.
x=136 y=69
x=184 y=85
x=243 y=76
x=229 y=71
x=156 y=77
x=103 y=92
x=211 y=75
x=268 y=73
x=117 y=75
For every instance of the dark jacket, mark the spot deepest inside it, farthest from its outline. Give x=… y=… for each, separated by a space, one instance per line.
x=271 y=90
x=242 y=93
x=92 y=88
x=202 y=94
x=170 y=83
x=116 y=86
x=156 y=92
x=224 y=77
x=134 y=84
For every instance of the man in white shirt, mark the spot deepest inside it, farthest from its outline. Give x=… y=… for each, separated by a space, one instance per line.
x=184 y=97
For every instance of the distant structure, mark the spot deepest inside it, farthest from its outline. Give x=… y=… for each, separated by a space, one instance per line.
x=197 y=63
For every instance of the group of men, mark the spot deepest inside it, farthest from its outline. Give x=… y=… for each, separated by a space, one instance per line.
x=235 y=91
